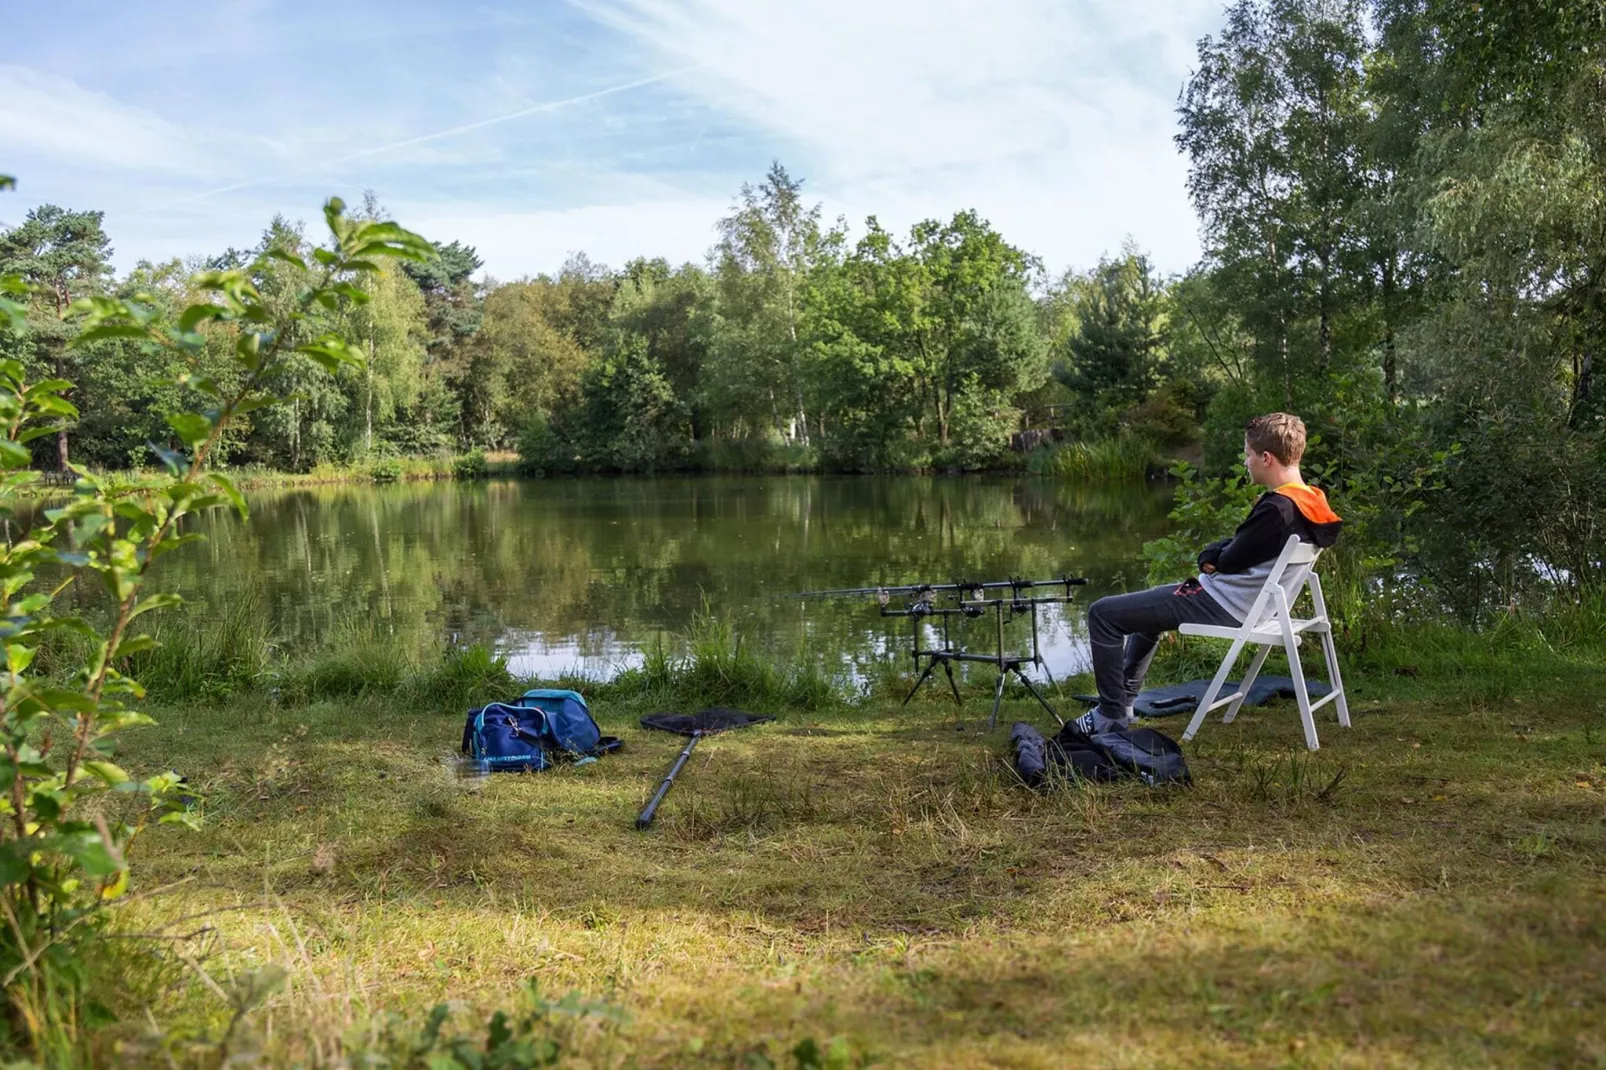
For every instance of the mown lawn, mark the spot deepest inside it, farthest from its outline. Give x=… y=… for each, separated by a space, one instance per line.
x=1427 y=890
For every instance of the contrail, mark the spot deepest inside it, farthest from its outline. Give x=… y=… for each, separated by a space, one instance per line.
x=535 y=109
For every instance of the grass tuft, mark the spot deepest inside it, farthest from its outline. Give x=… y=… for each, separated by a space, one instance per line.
x=1126 y=457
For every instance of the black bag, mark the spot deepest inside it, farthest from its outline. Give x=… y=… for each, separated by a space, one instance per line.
x=1139 y=753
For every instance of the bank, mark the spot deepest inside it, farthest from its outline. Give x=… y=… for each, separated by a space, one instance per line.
x=861 y=883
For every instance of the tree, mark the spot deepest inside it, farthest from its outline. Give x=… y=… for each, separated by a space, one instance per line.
x=1114 y=357
x=63 y=256
x=1275 y=126
x=452 y=304
x=767 y=246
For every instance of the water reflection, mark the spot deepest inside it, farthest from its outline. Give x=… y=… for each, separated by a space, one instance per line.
x=586 y=574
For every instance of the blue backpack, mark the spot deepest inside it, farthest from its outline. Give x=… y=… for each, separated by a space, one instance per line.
x=533 y=731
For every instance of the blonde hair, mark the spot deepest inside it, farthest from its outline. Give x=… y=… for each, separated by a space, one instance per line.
x=1280 y=434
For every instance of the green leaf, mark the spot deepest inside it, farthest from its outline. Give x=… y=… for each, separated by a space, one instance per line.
x=230 y=491
x=14 y=867
x=110 y=330
x=248 y=350
x=106 y=772
x=91 y=853
x=54 y=405
x=60 y=698
x=334 y=210
x=287 y=256
x=198 y=314
x=135 y=645
x=172 y=460
x=13 y=455
x=155 y=601
x=191 y=427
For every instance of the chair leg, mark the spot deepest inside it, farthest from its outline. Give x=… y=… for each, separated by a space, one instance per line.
x=1215 y=689
x=1297 y=671
x=1342 y=701
x=1330 y=650
x=1245 y=684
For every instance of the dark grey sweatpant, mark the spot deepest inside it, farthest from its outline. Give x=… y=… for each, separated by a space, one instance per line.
x=1125 y=629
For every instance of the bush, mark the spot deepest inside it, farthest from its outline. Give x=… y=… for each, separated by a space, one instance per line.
x=472 y=465
x=1126 y=457
x=386 y=470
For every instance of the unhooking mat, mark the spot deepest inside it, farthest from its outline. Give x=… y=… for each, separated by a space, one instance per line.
x=1184 y=698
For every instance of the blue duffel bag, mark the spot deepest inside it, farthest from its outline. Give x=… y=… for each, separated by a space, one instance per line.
x=533 y=731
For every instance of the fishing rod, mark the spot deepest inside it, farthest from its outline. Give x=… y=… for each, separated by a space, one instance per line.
x=958 y=586
x=969 y=602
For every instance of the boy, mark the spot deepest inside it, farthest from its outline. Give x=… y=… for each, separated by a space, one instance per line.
x=1125 y=628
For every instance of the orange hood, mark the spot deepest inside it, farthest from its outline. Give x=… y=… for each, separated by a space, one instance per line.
x=1310 y=501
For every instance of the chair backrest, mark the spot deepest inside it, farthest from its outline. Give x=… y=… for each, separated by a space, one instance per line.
x=1291 y=570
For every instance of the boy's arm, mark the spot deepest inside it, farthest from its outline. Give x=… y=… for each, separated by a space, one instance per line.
x=1211 y=554
x=1259 y=538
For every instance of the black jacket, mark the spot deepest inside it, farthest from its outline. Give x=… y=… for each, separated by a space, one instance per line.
x=1292 y=509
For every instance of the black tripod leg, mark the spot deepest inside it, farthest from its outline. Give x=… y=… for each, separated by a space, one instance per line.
x=645 y=820
x=998 y=699
x=1055 y=684
x=951 y=685
x=1039 y=698
x=932 y=664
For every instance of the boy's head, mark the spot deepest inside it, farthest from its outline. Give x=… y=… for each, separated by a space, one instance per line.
x=1273 y=443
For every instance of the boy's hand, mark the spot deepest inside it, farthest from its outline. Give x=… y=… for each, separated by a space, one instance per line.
x=1207 y=568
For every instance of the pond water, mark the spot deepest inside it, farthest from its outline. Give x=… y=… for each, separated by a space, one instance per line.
x=586 y=574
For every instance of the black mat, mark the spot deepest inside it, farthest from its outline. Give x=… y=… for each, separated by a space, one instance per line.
x=1184 y=698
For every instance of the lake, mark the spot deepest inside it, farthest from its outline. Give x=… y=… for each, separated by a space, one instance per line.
x=586 y=574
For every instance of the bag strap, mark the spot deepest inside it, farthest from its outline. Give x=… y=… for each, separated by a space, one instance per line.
x=468 y=728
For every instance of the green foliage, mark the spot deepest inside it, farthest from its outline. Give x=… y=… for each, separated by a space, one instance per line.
x=465 y=677
x=1205 y=510
x=386 y=470
x=531 y=1036
x=234 y=652
x=471 y=465
x=68 y=812
x=1113 y=359
x=1124 y=458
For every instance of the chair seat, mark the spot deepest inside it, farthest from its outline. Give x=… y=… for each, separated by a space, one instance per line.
x=1269 y=632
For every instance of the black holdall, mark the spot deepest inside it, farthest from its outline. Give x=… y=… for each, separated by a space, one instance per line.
x=1137 y=753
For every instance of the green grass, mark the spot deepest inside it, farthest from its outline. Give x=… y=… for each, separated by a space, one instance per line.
x=1121 y=458
x=870 y=885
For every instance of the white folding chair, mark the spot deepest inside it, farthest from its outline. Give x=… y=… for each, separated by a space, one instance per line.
x=1271 y=622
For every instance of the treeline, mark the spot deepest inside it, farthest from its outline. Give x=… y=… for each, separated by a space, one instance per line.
x=788 y=347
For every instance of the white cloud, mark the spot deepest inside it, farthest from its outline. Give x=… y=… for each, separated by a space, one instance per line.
x=1052 y=120
x=55 y=117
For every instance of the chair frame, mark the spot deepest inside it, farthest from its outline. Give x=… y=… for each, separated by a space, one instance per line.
x=1269 y=623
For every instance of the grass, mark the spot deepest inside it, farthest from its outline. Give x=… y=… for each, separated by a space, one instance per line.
x=856 y=885
x=1121 y=458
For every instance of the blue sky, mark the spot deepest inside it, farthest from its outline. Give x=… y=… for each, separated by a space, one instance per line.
x=616 y=127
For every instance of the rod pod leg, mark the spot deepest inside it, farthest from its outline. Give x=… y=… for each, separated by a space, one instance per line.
x=951 y=685
x=932 y=664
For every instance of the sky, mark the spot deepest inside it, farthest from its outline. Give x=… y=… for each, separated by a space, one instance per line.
x=619 y=128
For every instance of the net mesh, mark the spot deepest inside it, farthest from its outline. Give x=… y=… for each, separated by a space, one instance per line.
x=707 y=722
